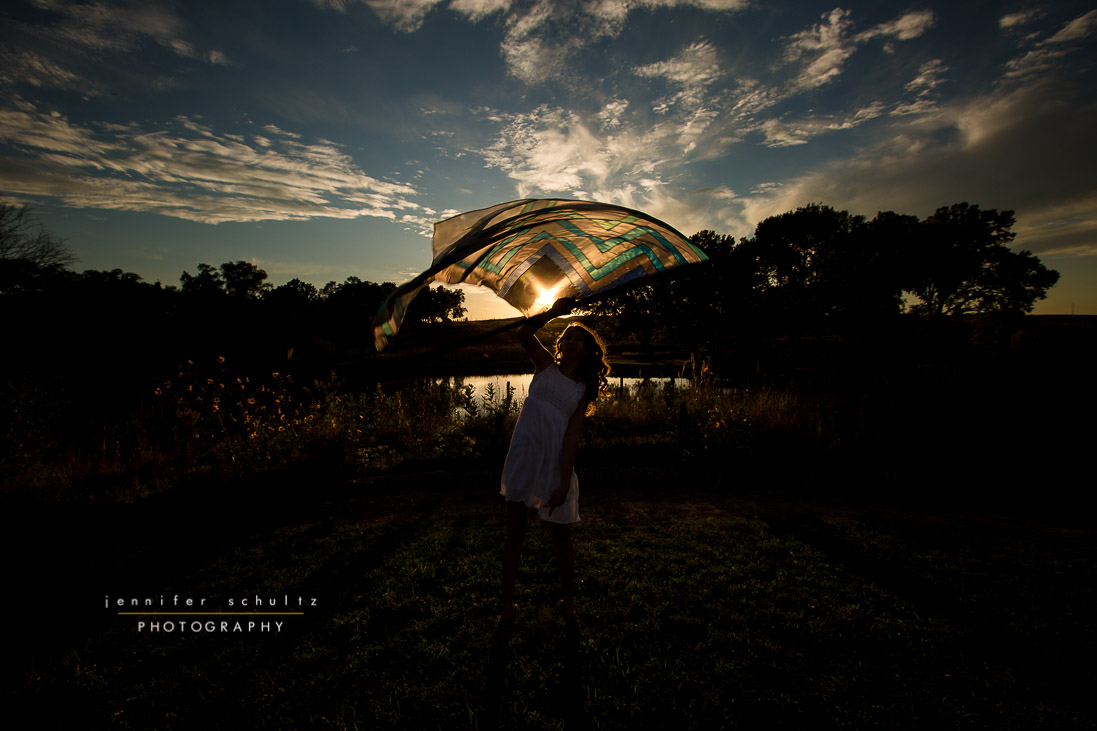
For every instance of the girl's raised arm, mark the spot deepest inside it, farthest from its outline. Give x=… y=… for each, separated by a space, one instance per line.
x=527 y=333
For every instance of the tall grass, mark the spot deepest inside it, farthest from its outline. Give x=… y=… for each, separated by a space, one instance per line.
x=212 y=420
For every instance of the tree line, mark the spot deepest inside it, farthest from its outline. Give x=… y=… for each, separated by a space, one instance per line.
x=808 y=270
x=112 y=327
x=821 y=269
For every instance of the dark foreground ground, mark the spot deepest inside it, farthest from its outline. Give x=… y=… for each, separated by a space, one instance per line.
x=772 y=598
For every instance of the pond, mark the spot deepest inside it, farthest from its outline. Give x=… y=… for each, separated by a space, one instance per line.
x=520 y=383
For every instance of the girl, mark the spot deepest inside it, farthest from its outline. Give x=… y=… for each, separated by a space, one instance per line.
x=539 y=471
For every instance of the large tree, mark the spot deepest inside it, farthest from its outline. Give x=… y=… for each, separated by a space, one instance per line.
x=206 y=282
x=244 y=280
x=818 y=263
x=963 y=265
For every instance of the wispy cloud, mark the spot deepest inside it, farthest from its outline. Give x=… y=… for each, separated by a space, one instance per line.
x=550 y=149
x=821 y=51
x=692 y=71
x=541 y=35
x=780 y=133
x=904 y=28
x=408 y=15
x=1047 y=52
x=189 y=171
x=70 y=48
x=635 y=154
x=987 y=150
x=1015 y=20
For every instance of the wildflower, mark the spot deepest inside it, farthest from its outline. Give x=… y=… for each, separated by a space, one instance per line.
x=220 y=359
x=274 y=375
x=156 y=392
x=209 y=381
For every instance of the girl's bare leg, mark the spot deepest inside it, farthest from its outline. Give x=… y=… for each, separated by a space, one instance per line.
x=565 y=559
x=517 y=515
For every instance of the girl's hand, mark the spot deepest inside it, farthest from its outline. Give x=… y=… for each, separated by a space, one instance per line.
x=561 y=307
x=558 y=496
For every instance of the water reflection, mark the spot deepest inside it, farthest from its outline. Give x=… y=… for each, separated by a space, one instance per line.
x=520 y=383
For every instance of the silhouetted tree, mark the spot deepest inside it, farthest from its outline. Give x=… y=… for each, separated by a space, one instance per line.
x=636 y=311
x=29 y=254
x=963 y=265
x=437 y=305
x=817 y=262
x=207 y=282
x=293 y=293
x=244 y=280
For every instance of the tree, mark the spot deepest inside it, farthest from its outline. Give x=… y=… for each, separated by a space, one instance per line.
x=294 y=294
x=244 y=280
x=437 y=305
x=23 y=237
x=817 y=262
x=207 y=282
x=27 y=251
x=963 y=265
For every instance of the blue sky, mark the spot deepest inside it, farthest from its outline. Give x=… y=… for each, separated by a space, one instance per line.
x=322 y=138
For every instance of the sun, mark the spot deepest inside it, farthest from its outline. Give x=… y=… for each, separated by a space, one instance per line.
x=546 y=298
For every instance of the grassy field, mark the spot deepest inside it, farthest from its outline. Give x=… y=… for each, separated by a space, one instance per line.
x=733 y=601
x=910 y=553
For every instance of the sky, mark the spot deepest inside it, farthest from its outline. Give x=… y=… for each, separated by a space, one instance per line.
x=322 y=139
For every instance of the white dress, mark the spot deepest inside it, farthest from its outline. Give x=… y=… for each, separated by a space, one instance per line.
x=532 y=470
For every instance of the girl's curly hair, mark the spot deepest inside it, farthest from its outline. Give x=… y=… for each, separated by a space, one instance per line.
x=593 y=369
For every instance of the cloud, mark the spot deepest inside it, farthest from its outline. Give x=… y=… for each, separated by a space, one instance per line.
x=1015 y=20
x=634 y=154
x=549 y=149
x=693 y=70
x=610 y=115
x=70 y=48
x=1046 y=54
x=904 y=28
x=408 y=15
x=822 y=50
x=928 y=78
x=695 y=66
x=606 y=156
x=476 y=9
x=1016 y=150
x=541 y=35
x=187 y=170
x=779 y=133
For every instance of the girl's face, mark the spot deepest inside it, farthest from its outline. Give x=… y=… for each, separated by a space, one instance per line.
x=572 y=345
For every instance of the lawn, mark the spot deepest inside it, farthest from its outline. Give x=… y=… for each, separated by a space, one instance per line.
x=739 y=604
